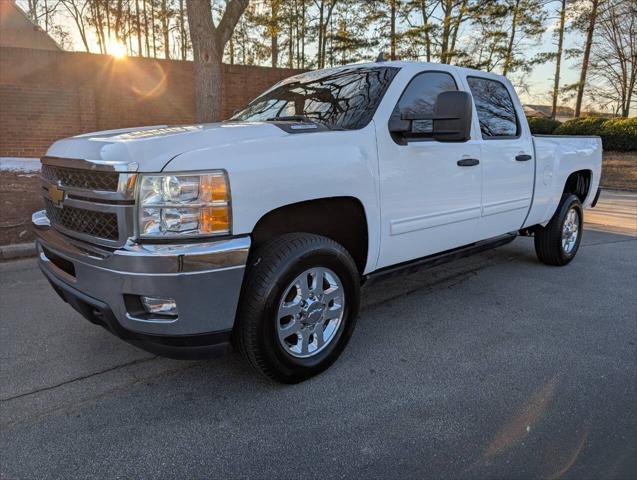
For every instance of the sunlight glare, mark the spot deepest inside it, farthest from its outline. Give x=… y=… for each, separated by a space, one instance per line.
x=117 y=49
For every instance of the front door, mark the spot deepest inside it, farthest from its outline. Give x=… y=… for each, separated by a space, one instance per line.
x=430 y=191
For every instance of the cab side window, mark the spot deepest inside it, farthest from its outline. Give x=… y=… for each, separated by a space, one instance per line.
x=496 y=111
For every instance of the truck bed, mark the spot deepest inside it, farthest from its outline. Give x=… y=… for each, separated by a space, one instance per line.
x=557 y=157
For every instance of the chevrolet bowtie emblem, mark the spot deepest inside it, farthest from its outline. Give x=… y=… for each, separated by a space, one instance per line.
x=56 y=194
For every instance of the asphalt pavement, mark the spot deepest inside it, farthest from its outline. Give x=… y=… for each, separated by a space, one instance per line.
x=494 y=366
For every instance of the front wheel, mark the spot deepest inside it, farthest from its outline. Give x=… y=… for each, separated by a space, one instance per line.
x=298 y=306
x=558 y=242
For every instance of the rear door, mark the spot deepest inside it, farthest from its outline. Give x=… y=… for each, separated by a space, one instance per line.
x=507 y=157
x=429 y=190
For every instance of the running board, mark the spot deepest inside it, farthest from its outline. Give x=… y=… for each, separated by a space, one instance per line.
x=439 y=258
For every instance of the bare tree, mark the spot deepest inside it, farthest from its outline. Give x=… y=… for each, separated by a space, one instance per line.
x=97 y=21
x=613 y=61
x=138 y=28
x=32 y=10
x=146 y=31
x=153 y=30
x=41 y=12
x=164 y=17
x=208 y=42
x=182 y=30
x=118 y=26
x=77 y=10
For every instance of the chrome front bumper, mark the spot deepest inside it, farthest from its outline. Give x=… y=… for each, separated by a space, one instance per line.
x=204 y=279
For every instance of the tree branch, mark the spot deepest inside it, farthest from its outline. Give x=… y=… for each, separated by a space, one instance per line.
x=234 y=10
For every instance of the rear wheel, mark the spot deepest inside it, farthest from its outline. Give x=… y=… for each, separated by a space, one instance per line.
x=558 y=242
x=298 y=307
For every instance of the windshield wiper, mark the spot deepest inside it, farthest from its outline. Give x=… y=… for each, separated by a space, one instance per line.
x=291 y=118
x=303 y=119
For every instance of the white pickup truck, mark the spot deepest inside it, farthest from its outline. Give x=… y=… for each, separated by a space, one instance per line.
x=261 y=229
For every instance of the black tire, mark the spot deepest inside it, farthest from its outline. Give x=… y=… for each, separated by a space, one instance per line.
x=270 y=271
x=548 y=240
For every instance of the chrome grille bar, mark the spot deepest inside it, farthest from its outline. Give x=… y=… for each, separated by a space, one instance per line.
x=78 y=178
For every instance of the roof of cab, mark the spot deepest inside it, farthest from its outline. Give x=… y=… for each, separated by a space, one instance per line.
x=419 y=66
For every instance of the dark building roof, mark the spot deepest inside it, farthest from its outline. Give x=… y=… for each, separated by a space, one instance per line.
x=17 y=30
x=546 y=110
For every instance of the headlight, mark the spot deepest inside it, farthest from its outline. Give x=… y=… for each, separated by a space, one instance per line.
x=184 y=205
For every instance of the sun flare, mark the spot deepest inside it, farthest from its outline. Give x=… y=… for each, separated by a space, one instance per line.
x=117 y=49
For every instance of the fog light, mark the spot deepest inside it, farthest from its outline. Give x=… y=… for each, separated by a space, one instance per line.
x=161 y=306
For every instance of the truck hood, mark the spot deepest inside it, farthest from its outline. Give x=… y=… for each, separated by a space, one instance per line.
x=149 y=149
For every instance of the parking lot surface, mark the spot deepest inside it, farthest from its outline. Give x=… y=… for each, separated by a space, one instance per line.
x=491 y=366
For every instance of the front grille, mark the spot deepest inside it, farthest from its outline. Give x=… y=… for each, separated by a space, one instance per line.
x=77 y=178
x=89 y=222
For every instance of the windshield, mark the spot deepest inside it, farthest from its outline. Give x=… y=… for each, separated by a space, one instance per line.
x=343 y=99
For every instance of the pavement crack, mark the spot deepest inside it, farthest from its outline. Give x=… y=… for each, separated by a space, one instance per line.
x=77 y=379
x=66 y=406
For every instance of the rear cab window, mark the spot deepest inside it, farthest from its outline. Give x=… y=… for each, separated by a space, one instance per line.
x=495 y=107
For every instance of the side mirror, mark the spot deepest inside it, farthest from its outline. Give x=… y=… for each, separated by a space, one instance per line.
x=451 y=121
x=453 y=115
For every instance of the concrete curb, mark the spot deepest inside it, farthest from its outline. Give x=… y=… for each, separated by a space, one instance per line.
x=19 y=250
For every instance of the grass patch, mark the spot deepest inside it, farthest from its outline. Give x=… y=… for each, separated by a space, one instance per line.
x=619 y=170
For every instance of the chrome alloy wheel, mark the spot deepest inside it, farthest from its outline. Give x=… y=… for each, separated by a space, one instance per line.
x=570 y=230
x=310 y=312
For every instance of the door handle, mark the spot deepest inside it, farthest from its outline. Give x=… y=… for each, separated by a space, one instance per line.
x=468 y=162
x=523 y=158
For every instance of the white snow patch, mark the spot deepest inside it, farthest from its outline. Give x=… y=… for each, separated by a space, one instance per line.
x=18 y=164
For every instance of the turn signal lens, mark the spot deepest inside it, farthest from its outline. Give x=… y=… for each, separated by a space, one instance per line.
x=130 y=182
x=214 y=220
x=214 y=188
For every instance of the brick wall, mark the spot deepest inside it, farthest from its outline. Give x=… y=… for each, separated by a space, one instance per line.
x=46 y=95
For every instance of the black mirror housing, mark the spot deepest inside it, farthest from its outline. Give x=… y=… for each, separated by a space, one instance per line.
x=453 y=115
x=451 y=121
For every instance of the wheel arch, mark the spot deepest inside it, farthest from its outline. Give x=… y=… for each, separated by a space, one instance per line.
x=342 y=219
x=579 y=183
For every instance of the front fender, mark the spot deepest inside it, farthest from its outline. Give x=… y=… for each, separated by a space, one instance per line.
x=266 y=174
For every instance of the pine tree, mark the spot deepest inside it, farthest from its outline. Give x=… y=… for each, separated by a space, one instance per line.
x=558 y=58
x=589 y=18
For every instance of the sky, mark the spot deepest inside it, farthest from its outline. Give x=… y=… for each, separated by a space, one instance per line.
x=543 y=75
